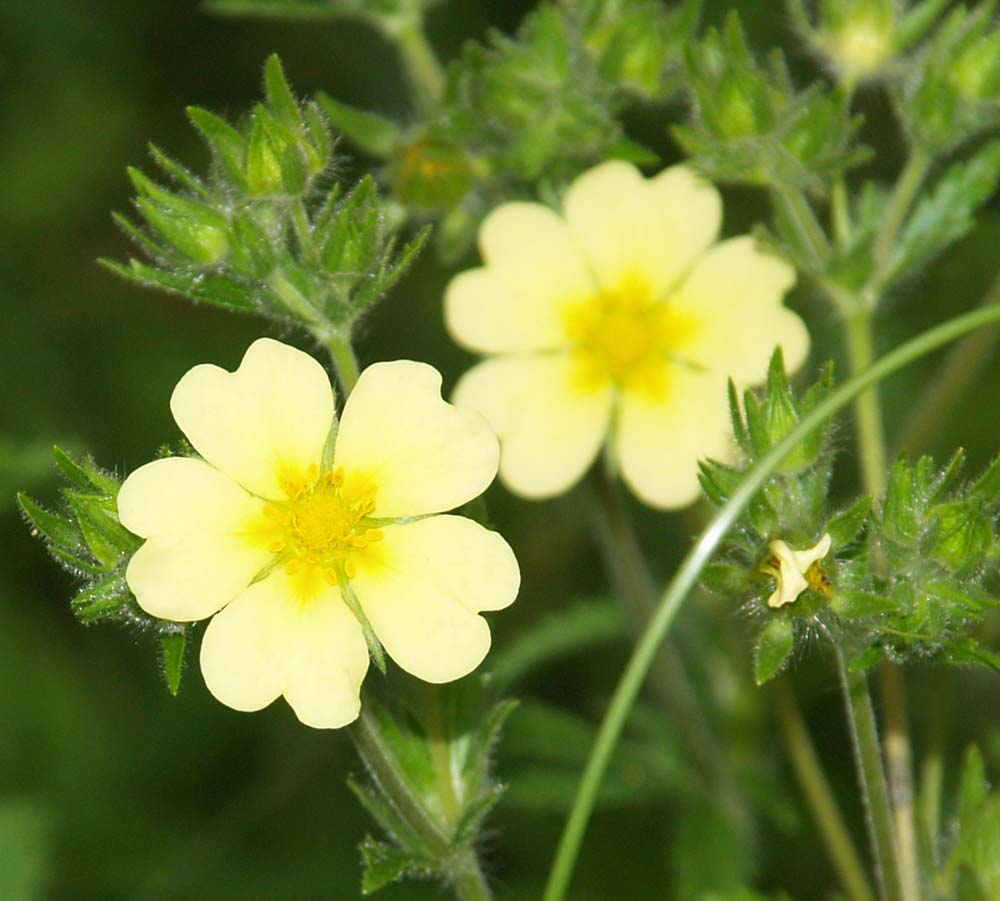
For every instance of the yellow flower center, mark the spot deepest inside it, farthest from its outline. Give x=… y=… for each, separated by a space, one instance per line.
x=624 y=336
x=320 y=527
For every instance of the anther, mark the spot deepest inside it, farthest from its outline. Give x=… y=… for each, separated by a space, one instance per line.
x=350 y=569
x=293 y=566
x=277 y=546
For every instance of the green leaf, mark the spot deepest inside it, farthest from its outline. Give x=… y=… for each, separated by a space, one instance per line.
x=374 y=134
x=773 y=649
x=384 y=864
x=172 y=646
x=947 y=212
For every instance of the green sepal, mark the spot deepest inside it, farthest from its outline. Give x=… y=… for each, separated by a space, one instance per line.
x=52 y=527
x=263 y=166
x=103 y=599
x=374 y=134
x=228 y=146
x=172 y=646
x=774 y=647
x=962 y=537
x=726 y=579
x=85 y=474
x=375 y=650
x=279 y=95
x=852 y=603
x=844 y=528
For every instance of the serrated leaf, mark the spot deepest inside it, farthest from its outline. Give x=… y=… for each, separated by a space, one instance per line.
x=774 y=647
x=846 y=526
x=947 y=212
x=385 y=864
x=172 y=646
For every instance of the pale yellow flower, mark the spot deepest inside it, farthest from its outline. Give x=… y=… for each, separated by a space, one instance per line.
x=262 y=536
x=618 y=321
x=791 y=569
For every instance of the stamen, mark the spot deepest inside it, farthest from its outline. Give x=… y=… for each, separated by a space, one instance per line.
x=350 y=570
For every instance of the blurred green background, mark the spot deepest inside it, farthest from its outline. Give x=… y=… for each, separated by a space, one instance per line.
x=110 y=788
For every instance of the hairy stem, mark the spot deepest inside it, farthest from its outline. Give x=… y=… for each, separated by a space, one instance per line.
x=819 y=795
x=438 y=741
x=867 y=408
x=690 y=569
x=345 y=362
x=797 y=209
x=462 y=866
x=871 y=778
x=381 y=764
x=903 y=195
x=421 y=62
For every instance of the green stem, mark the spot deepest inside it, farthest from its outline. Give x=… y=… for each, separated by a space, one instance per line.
x=382 y=767
x=303 y=231
x=465 y=875
x=871 y=777
x=800 y=213
x=297 y=303
x=636 y=589
x=867 y=408
x=438 y=741
x=342 y=353
x=819 y=795
x=463 y=867
x=690 y=570
x=420 y=60
x=903 y=195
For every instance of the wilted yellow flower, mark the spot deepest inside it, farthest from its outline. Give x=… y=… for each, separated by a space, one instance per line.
x=791 y=569
x=619 y=320
x=279 y=522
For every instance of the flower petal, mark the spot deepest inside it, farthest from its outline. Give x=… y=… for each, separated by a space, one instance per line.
x=550 y=427
x=733 y=298
x=267 y=643
x=422 y=585
x=534 y=268
x=198 y=555
x=634 y=229
x=421 y=454
x=660 y=440
x=263 y=424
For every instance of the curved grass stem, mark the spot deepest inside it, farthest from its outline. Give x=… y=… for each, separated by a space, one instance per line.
x=690 y=570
